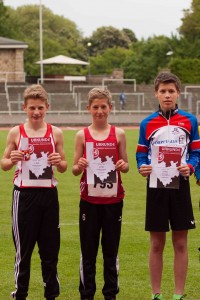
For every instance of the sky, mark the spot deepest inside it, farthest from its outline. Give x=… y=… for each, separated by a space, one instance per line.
x=145 y=18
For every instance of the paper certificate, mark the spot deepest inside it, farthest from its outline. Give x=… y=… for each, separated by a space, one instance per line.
x=36 y=171
x=101 y=173
x=165 y=160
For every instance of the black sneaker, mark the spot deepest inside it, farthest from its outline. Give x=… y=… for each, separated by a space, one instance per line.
x=156 y=297
x=183 y=296
x=13 y=296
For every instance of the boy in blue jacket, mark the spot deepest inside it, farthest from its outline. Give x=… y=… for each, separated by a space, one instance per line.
x=167 y=154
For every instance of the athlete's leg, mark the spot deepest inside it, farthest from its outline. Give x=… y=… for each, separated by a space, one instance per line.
x=157 y=244
x=25 y=229
x=111 y=231
x=49 y=242
x=90 y=227
x=179 y=239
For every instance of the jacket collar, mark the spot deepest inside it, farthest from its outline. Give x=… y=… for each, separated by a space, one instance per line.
x=169 y=113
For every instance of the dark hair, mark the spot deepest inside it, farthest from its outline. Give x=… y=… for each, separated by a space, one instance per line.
x=167 y=77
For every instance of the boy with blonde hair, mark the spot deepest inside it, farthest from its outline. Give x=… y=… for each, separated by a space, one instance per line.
x=35 y=149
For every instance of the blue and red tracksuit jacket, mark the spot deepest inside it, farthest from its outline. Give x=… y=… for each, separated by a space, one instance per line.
x=178 y=129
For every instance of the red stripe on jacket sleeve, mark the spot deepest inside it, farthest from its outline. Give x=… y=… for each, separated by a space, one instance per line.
x=195 y=145
x=141 y=148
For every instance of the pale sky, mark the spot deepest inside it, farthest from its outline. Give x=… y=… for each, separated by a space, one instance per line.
x=144 y=17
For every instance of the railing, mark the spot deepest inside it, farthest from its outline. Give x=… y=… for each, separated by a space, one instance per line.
x=20 y=99
x=184 y=101
x=187 y=87
x=51 y=95
x=65 y=78
x=76 y=95
x=120 y=80
x=140 y=98
x=197 y=107
x=78 y=102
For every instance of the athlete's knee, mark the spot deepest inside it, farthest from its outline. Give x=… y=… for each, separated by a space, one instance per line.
x=180 y=242
x=157 y=246
x=180 y=247
x=157 y=243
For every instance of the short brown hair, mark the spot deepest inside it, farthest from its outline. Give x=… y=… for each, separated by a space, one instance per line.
x=99 y=93
x=167 y=77
x=35 y=91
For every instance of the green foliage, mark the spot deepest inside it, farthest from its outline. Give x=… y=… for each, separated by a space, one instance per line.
x=181 y=67
x=190 y=27
x=110 y=59
x=107 y=48
x=147 y=58
x=60 y=36
x=134 y=246
x=6 y=28
x=183 y=48
x=130 y=34
x=3 y=17
x=108 y=37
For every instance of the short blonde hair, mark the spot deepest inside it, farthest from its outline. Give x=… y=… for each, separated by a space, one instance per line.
x=99 y=93
x=35 y=91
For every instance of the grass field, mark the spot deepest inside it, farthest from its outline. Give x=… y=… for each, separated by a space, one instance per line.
x=134 y=246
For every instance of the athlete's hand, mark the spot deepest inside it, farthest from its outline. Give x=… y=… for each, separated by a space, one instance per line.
x=54 y=159
x=121 y=165
x=16 y=155
x=82 y=163
x=145 y=170
x=184 y=170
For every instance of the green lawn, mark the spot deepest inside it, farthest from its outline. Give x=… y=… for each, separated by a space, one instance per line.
x=134 y=247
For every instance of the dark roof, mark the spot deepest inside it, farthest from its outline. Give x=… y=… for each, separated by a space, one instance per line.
x=6 y=43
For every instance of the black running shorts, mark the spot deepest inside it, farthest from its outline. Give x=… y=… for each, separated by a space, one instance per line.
x=169 y=208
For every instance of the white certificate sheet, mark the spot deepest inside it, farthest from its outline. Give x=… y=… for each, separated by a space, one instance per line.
x=165 y=160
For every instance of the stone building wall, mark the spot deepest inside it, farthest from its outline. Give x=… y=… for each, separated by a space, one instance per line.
x=12 y=64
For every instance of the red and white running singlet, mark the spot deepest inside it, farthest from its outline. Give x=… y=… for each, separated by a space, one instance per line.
x=101 y=183
x=35 y=171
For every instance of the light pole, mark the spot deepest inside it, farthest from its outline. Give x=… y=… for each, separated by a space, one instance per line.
x=41 y=45
x=89 y=44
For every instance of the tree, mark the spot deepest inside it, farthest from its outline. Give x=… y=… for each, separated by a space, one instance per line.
x=6 y=30
x=108 y=37
x=147 y=58
x=181 y=66
x=60 y=36
x=130 y=34
x=190 y=27
x=111 y=59
x=183 y=48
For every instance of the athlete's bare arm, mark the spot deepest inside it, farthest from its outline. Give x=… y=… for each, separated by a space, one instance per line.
x=11 y=155
x=58 y=157
x=80 y=163
x=122 y=164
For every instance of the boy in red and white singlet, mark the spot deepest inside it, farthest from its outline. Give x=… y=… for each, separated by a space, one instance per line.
x=100 y=156
x=35 y=148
